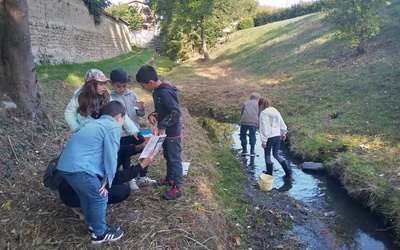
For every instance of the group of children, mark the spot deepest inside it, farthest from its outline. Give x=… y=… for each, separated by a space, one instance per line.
x=106 y=134
x=259 y=113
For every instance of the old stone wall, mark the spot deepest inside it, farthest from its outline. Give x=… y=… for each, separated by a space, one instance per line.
x=63 y=31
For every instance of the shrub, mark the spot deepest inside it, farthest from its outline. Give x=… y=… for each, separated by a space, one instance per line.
x=246 y=23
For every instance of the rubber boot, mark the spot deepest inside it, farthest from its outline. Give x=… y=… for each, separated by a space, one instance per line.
x=270 y=168
x=286 y=167
x=244 y=149
x=252 y=152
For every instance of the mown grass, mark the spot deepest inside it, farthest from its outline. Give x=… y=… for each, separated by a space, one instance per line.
x=341 y=108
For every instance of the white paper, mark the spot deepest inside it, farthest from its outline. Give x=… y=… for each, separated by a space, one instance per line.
x=155 y=143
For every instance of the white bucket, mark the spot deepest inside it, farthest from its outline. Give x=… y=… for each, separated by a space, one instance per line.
x=185 y=167
x=266 y=182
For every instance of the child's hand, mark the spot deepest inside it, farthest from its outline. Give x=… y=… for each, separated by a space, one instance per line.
x=152 y=119
x=149 y=159
x=161 y=131
x=140 y=105
x=103 y=191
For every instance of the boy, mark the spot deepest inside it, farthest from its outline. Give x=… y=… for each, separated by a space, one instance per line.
x=167 y=115
x=88 y=163
x=134 y=109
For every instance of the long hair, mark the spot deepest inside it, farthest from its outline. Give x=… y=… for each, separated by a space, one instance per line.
x=89 y=101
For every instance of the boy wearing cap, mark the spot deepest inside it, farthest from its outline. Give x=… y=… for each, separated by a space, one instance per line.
x=135 y=109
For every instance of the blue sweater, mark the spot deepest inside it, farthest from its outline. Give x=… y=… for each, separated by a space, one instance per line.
x=168 y=110
x=93 y=149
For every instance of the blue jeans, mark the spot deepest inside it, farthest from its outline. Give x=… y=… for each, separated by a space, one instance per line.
x=92 y=203
x=172 y=153
x=243 y=135
x=273 y=143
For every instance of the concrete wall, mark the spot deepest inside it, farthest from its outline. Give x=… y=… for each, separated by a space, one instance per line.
x=63 y=31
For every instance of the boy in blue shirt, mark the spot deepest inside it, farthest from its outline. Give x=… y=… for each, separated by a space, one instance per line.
x=88 y=163
x=167 y=115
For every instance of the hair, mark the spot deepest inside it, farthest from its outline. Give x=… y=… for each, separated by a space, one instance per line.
x=264 y=102
x=113 y=109
x=146 y=73
x=88 y=99
x=255 y=95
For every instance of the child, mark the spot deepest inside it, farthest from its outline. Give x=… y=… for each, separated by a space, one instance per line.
x=249 y=122
x=87 y=100
x=272 y=130
x=134 y=109
x=167 y=116
x=88 y=163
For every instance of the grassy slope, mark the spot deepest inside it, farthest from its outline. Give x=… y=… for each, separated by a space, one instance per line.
x=341 y=108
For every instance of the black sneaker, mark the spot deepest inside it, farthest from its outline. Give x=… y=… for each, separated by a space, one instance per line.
x=113 y=227
x=174 y=193
x=109 y=235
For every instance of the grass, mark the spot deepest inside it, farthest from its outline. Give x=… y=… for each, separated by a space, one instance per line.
x=341 y=108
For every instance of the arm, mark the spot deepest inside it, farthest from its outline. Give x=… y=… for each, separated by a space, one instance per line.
x=174 y=111
x=130 y=126
x=283 y=127
x=110 y=154
x=71 y=114
x=263 y=128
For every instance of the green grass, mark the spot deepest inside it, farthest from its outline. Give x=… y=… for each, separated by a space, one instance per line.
x=338 y=105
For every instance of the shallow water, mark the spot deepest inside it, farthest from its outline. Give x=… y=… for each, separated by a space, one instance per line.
x=353 y=227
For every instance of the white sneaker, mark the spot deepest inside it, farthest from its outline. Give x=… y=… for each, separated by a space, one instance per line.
x=146 y=179
x=133 y=185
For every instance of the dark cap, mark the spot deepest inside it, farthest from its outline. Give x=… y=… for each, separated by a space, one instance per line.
x=118 y=75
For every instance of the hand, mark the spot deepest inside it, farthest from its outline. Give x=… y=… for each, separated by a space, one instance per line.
x=152 y=119
x=140 y=105
x=264 y=145
x=103 y=191
x=136 y=136
x=161 y=131
x=283 y=137
x=149 y=159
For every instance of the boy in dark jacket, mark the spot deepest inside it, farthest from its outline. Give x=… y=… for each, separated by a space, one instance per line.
x=167 y=115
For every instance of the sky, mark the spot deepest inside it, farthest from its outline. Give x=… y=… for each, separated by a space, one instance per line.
x=277 y=3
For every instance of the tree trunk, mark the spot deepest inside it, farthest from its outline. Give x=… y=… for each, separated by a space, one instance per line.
x=203 y=40
x=17 y=68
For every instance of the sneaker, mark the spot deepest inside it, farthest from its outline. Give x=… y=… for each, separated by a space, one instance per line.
x=174 y=193
x=113 y=227
x=109 y=235
x=165 y=182
x=146 y=179
x=133 y=185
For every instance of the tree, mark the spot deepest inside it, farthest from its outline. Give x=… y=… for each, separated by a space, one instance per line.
x=356 y=21
x=128 y=14
x=190 y=26
x=17 y=68
x=96 y=8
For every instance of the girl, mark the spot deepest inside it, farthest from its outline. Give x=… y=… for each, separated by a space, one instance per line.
x=272 y=130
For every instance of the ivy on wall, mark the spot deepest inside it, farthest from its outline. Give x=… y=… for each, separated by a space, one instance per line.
x=96 y=8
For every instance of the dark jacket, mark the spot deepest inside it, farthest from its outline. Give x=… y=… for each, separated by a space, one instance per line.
x=168 y=110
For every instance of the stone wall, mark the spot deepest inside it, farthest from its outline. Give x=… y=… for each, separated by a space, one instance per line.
x=63 y=31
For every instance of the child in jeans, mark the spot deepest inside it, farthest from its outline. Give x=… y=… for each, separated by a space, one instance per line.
x=167 y=115
x=88 y=163
x=134 y=109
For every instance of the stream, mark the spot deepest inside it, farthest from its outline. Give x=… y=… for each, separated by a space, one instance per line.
x=354 y=227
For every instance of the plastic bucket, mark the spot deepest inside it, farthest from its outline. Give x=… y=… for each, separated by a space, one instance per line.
x=266 y=182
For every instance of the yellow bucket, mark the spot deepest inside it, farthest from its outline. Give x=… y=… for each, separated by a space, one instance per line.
x=266 y=182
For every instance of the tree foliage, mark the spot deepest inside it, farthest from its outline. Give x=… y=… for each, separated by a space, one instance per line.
x=128 y=14
x=270 y=15
x=189 y=26
x=96 y=8
x=246 y=23
x=356 y=21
